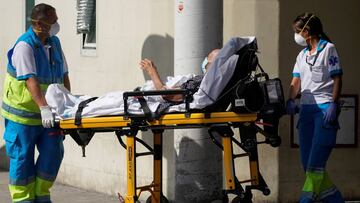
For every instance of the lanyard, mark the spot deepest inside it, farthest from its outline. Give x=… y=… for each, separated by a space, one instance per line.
x=315 y=59
x=322 y=43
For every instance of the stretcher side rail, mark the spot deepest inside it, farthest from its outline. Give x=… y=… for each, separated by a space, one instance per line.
x=150 y=115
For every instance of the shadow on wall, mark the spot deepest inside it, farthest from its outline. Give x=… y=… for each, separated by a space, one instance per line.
x=190 y=176
x=160 y=49
x=4 y=160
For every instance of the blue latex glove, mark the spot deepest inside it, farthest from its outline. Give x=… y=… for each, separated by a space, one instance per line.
x=331 y=113
x=291 y=107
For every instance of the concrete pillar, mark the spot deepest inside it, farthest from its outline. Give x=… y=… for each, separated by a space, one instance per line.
x=198 y=30
x=198 y=167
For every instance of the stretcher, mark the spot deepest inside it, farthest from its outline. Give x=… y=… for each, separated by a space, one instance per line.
x=251 y=107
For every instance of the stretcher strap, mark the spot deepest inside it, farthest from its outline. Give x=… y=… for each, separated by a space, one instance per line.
x=80 y=109
x=149 y=115
x=144 y=106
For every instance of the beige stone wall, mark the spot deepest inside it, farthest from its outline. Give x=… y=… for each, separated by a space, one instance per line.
x=12 y=20
x=339 y=20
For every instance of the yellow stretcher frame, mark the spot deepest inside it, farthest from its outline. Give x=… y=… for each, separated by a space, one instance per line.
x=165 y=120
x=173 y=121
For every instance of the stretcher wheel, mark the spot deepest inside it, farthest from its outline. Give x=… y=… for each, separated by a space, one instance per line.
x=266 y=191
x=225 y=199
x=275 y=142
x=250 y=144
x=163 y=199
x=242 y=199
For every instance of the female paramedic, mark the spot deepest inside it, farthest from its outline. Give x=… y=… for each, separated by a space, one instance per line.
x=317 y=74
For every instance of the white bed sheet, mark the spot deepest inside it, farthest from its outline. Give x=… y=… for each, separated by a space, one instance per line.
x=65 y=104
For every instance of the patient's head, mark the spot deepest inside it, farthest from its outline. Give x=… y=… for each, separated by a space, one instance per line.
x=209 y=59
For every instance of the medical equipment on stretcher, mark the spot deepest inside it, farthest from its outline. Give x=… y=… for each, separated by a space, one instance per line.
x=250 y=102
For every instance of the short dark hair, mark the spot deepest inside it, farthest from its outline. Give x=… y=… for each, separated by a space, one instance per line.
x=40 y=11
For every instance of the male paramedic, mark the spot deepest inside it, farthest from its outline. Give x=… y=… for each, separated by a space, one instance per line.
x=35 y=61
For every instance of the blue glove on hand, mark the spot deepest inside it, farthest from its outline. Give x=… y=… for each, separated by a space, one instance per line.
x=291 y=107
x=331 y=113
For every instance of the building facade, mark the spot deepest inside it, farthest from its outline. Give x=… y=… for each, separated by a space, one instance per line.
x=106 y=59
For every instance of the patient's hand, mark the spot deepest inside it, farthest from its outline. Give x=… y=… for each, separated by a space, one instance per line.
x=148 y=66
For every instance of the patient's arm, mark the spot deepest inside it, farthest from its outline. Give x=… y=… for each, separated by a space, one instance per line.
x=149 y=67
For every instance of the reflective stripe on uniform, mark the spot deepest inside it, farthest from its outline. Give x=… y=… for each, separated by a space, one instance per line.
x=313 y=182
x=317 y=184
x=19 y=119
x=19 y=112
x=20 y=193
x=42 y=188
x=18 y=104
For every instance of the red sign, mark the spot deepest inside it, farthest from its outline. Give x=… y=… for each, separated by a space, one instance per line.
x=181 y=7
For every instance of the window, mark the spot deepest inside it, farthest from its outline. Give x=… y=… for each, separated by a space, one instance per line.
x=86 y=25
x=29 y=4
x=347 y=135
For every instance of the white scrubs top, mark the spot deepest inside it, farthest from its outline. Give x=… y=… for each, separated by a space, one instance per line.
x=316 y=72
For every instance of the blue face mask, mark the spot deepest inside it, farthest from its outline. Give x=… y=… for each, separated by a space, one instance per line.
x=203 y=65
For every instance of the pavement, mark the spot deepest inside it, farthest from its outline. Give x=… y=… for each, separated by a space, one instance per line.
x=59 y=193
x=64 y=194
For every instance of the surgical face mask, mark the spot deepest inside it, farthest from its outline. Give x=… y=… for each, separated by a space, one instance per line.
x=300 y=40
x=54 y=29
x=203 y=65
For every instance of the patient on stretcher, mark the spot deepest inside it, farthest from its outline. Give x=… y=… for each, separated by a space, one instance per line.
x=193 y=83
x=208 y=87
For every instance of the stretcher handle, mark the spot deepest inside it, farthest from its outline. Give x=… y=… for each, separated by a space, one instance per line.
x=126 y=95
x=263 y=73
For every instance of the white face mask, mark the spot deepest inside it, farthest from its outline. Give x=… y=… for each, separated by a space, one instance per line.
x=55 y=28
x=300 y=40
x=203 y=65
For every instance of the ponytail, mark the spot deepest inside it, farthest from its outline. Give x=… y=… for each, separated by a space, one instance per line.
x=324 y=36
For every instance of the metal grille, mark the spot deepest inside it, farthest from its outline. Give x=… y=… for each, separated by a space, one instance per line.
x=86 y=16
